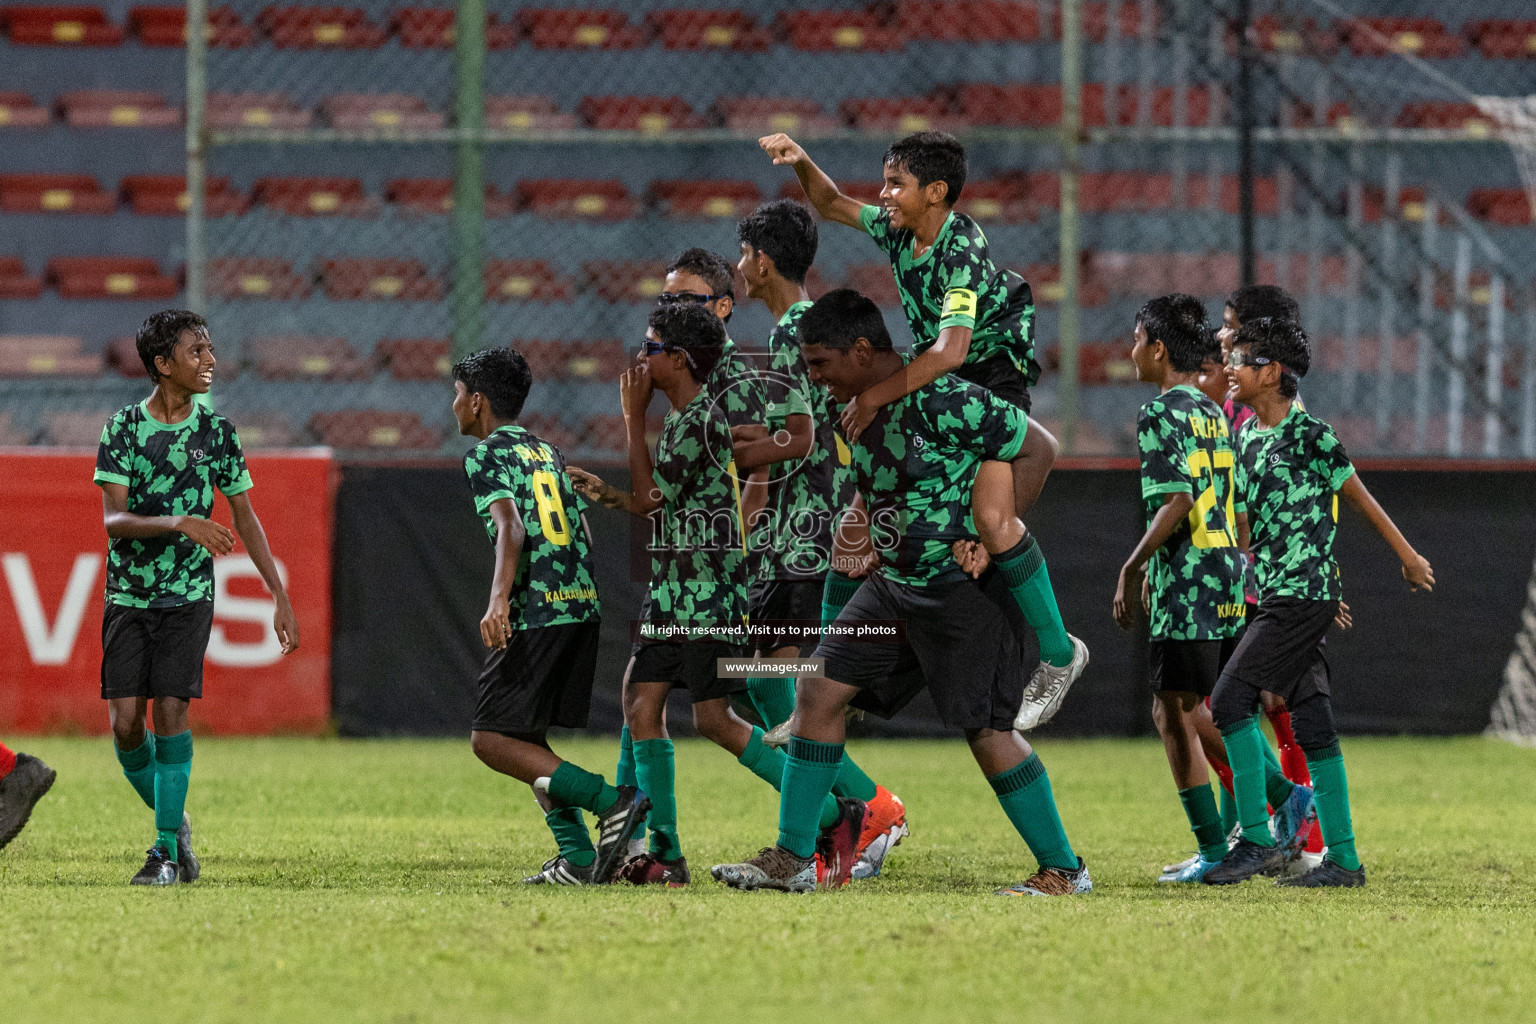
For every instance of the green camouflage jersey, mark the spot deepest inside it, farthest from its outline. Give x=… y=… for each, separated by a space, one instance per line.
x=805 y=495
x=915 y=466
x=170 y=469
x=698 y=560
x=1196 y=578
x=555 y=579
x=956 y=284
x=736 y=386
x=1288 y=482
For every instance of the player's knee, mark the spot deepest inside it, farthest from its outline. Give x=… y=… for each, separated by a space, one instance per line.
x=994 y=526
x=1041 y=444
x=1160 y=714
x=816 y=703
x=128 y=733
x=482 y=743
x=1312 y=721
x=642 y=708
x=712 y=720
x=1231 y=704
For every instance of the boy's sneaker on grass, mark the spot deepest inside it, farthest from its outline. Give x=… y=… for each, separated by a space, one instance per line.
x=837 y=847
x=19 y=793
x=649 y=869
x=1305 y=861
x=1048 y=687
x=884 y=830
x=1327 y=875
x=1053 y=882
x=1293 y=817
x=1192 y=870
x=559 y=871
x=187 y=867
x=615 y=829
x=158 y=869
x=1173 y=869
x=1245 y=860
x=773 y=868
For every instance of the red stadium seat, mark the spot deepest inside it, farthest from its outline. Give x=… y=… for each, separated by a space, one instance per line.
x=301 y=358
x=255 y=277
x=549 y=427
x=29 y=355
x=1125 y=192
x=165 y=195
x=1373 y=203
x=415 y=358
x=1507 y=207
x=15 y=282
x=308 y=28
x=1339 y=115
x=310 y=197
x=836 y=30
x=624 y=281
x=583 y=359
x=680 y=29
x=393 y=111
x=109 y=277
x=1378 y=37
x=521 y=113
x=1002 y=199
x=255 y=110
x=605 y=434
x=653 y=115
x=431 y=28
x=764 y=114
x=54 y=193
x=969 y=21
x=875 y=281
x=573 y=197
x=863 y=191
x=1502 y=38
x=574 y=29
x=122 y=355
x=898 y=114
x=694 y=199
x=167 y=26
x=1045 y=284
x=111 y=108
x=435 y=196
x=1293 y=35
x=18 y=110
x=1445 y=115
x=74 y=429
x=1012 y=106
x=526 y=281
x=1096 y=20
x=403 y=280
x=29 y=25
x=1266 y=194
x=373 y=429
x=266 y=429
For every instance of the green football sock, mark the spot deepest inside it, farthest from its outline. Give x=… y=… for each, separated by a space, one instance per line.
x=852 y=782
x=1330 y=790
x=1023 y=568
x=570 y=831
x=768 y=764
x=1245 y=753
x=835 y=593
x=577 y=787
x=1025 y=793
x=139 y=766
x=624 y=773
x=173 y=771
x=1228 y=812
x=655 y=771
x=1276 y=786
x=1204 y=821
x=809 y=773
x=773 y=697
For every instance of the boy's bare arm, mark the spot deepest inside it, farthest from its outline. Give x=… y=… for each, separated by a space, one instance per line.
x=819 y=189
x=120 y=523
x=793 y=442
x=945 y=355
x=495 y=625
x=1175 y=510
x=1416 y=568
x=254 y=537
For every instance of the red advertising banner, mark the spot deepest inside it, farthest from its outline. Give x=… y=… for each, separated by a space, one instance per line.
x=53 y=556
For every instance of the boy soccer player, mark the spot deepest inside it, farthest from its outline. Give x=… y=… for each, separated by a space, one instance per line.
x=24 y=780
x=968 y=317
x=1195 y=601
x=915 y=469
x=541 y=623
x=809 y=487
x=696 y=606
x=1291 y=470
x=158 y=465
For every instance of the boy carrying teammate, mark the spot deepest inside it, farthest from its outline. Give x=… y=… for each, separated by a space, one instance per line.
x=24 y=780
x=809 y=486
x=1195 y=597
x=158 y=465
x=967 y=317
x=541 y=623
x=696 y=606
x=1291 y=470
x=914 y=469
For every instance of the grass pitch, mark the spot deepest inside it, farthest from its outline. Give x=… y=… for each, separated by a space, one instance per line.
x=379 y=881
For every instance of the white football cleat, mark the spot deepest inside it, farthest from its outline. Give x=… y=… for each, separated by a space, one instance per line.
x=1048 y=688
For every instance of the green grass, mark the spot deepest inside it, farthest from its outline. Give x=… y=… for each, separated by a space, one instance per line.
x=379 y=881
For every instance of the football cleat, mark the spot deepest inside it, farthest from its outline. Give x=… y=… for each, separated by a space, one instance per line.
x=158 y=868
x=778 y=736
x=1327 y=875
x=615 y=829
x=1293 y=818
x=1048 y=688
x=19 y=793
x=559 y=871
x=1173 y=869
x=837 y=847
x=1245 y=860
x=773 y=868
x=1053 y=882
x=1190 y=871
x=187 y=867
x=884 y=830
x=1305 y=861
x=649 y=869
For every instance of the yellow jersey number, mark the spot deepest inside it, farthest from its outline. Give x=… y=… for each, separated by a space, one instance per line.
x=553 y=522
x=1203 y=467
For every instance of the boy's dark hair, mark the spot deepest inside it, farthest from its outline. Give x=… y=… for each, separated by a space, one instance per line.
x=1178 y=321
x=931 y=157
x=715 y=269
x=1282 y=341
x=695 y=330
x=785 y=232
x=1253 y=301
x=840 y=318
x=159 y=334
x=501 y=375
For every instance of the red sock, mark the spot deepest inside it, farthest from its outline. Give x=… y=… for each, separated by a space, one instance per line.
x=1224 y=774
x=1292 y=760
x=7 y=760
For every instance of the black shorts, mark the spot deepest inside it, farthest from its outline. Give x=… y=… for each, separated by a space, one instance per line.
x=1188 y=666
x=154 y=652
x=781 y=604
x=686 y=663
x=959 y=641
x=1280 y=652
x=542 y=678
x=1000 y=376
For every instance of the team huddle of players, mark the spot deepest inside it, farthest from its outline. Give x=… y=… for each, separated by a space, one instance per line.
x=851 y=504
